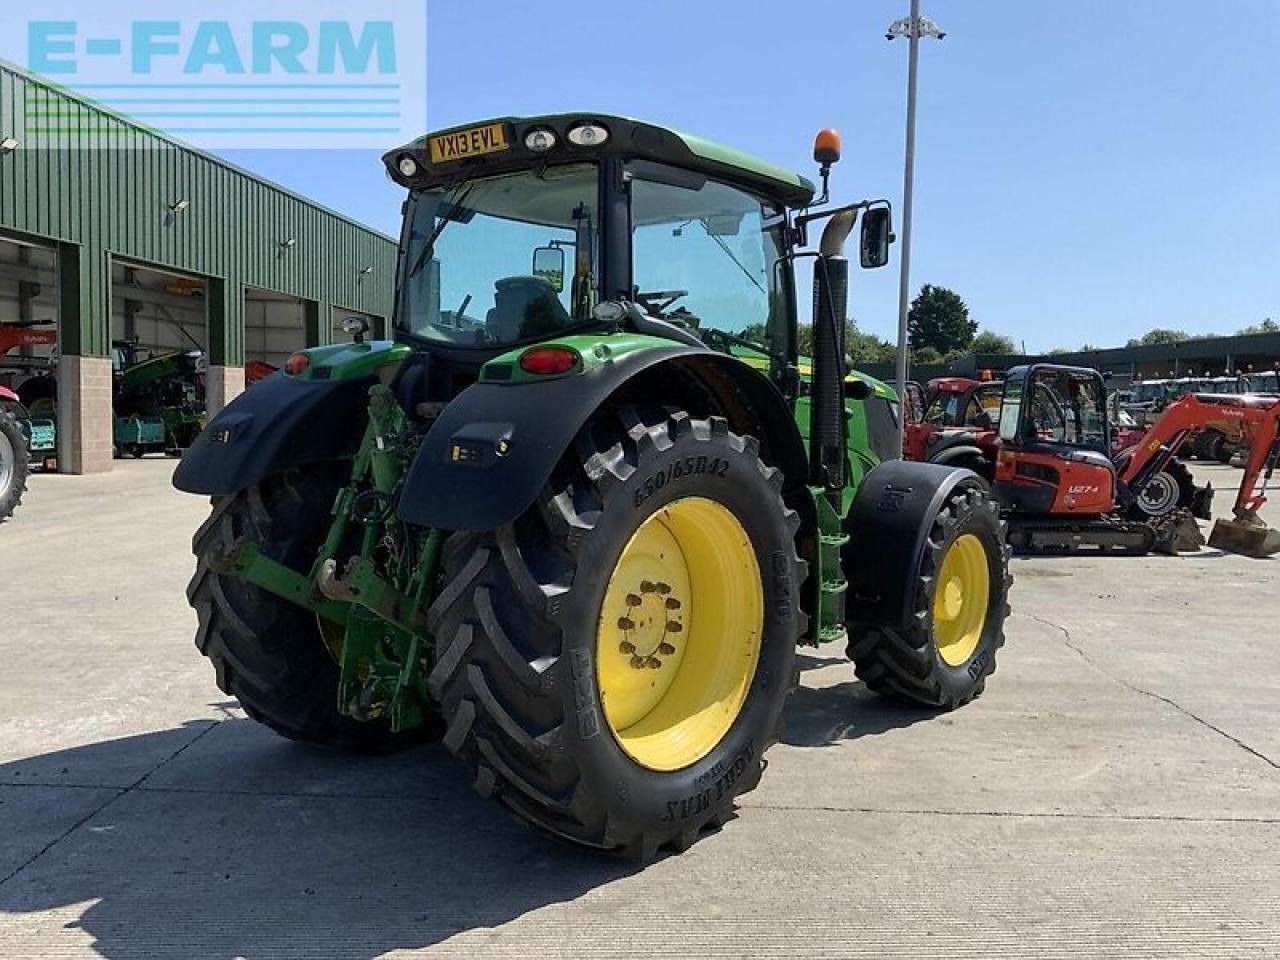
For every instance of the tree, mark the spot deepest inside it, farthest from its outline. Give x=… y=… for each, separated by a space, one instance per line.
x=861 y=348
x=988 y=341
x=926 y=355
x=939 y=319
x=1158 y=336
x=866 y=348
x=1266 y=326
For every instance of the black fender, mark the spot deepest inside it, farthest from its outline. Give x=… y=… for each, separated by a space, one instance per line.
x=484 y=460
x=961 y=451
x=280 y=423
x=888 y=524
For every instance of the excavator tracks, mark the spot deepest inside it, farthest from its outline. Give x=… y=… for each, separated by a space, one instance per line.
x=1106 y=535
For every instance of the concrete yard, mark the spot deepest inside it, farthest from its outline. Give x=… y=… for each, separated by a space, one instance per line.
x=1115 y=793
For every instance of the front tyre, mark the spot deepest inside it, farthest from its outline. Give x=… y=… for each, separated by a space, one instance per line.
x=14 y=464
x=614 y=663
x=1173 y=487
x=943 y=657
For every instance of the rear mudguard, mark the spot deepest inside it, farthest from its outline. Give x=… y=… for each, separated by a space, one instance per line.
x=495 y=446
x=282 y=422
x=959 y=452
x=888 y=525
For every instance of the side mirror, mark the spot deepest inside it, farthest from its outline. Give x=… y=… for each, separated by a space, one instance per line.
x=877 y=234
x=548 y=263
x=355 y=328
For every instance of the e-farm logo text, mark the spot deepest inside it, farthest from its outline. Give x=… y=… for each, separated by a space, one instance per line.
x=268 y=73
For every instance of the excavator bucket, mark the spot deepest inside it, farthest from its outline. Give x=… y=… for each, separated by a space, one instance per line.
x=1249 y=537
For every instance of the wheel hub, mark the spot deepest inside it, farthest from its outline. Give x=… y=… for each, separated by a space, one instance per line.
x=8 y=463
x=960 y=600
x=952 y=598
x=651 y=624
x=1160 y=495
x=679 y=633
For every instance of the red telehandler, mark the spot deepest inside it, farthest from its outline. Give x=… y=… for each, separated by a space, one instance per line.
x=1064 y=492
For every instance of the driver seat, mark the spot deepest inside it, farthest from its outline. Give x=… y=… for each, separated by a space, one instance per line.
x=524 y=308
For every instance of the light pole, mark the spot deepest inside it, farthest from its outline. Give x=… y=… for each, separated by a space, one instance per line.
x=913 y=28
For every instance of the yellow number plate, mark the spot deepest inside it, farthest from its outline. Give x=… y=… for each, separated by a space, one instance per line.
x=491 y=138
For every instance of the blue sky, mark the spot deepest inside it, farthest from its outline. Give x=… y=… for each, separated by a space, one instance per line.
x=1086 y=170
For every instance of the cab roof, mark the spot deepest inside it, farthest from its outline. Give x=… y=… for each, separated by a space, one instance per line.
x=628 y=138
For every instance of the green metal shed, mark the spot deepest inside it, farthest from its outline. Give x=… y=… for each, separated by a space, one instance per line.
x=150 y=201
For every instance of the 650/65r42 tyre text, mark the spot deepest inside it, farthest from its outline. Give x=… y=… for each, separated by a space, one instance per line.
x=613 y=664
x=268 y=653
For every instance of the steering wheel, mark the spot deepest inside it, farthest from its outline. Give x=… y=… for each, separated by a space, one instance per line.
x=657 y=301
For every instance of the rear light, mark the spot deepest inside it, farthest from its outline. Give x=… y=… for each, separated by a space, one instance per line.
x=296 y=364
x=549 y=361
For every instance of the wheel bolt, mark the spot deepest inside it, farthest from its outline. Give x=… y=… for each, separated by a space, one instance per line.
x=674 y=626
x=626 y=623
x=637 y=662
x=664 y=588
x=627 y=647
x=653 y=663
x=666 y=649
x=633 y=600
x=647 y=586
x=673 y=603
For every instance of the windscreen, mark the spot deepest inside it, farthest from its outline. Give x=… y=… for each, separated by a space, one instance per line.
x=501 y=261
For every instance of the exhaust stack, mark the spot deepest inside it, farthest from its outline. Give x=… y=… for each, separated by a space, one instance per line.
x=828 y=441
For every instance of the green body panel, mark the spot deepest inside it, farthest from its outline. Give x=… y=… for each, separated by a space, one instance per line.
x=352 y=361
x=593 y=351
x=139 y=376
x=709 y=150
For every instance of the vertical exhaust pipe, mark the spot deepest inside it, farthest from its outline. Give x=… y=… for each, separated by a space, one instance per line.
x=828 y=441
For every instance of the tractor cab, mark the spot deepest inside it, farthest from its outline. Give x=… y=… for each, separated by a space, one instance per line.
x=1055 y=441
x=522 y=230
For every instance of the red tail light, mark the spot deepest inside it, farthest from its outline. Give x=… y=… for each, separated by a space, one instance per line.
x=296 y=364
x=548 y=361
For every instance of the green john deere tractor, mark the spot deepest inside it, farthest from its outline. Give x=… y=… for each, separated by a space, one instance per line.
x=575 y=518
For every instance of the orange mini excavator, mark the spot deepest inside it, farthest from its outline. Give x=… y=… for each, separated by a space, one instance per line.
x=1063 y=490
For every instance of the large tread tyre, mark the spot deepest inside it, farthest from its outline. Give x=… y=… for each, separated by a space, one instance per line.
x=1171 y=489
x=268 y=653
x=15 y=465
x=908 y=663
x=521 y=608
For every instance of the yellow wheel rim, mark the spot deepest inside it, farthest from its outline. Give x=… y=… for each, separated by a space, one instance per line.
x=960 y=600
x=679 y=633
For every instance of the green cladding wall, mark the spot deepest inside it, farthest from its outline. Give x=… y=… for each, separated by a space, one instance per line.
x=96 y=202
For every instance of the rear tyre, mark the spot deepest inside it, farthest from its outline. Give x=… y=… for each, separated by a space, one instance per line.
x=266 y=652
x=943 y=658
x=1170 y=489
x=614 y=663
x=14 y=465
